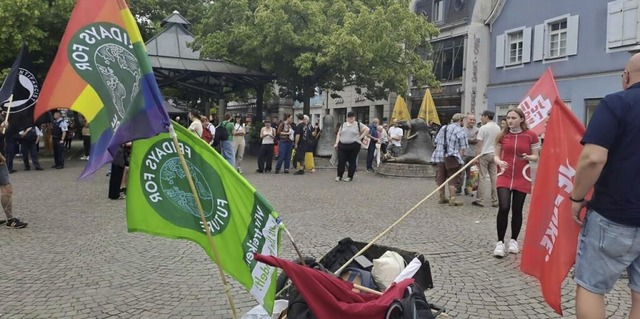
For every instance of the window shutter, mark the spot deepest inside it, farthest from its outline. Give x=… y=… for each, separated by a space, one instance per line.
x=614 y=24
x=572 y=35
x=500 y=50
x=538 y=42
x=630 y=23
x=526 y=45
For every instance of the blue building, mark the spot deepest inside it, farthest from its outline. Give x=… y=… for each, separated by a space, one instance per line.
x=586 y=43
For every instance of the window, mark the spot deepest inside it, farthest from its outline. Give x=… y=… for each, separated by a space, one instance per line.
x=622 y=23
x=362 y=113
x=340 y=115
x=590 y=107
x=448 y=59
x=438 y=10
x=515 y=48
x=558 y=39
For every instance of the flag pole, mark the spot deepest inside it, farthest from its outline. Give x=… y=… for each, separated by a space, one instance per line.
x=6 y=119
x=407 y=214
x=194 y=191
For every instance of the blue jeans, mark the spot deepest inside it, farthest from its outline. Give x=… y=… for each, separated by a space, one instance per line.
x=58 y=155
x=370 y=154
x=605 y=250
x=30 y=148
x=284 y=155
x=227 y=152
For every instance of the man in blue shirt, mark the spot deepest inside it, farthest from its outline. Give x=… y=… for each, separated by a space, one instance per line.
x=371 y=150
x=610 y=162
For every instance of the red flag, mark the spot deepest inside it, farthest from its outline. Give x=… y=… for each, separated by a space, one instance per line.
x=538 y=101
x=551 y=238
x=330 y=297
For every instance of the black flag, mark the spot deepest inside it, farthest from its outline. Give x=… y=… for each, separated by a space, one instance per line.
x=25 y=87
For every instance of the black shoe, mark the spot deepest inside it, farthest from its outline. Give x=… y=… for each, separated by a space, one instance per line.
x=2 y=222
x=15 y=223
x=370 y=170
x=27 y=168
x=12 y=171
x=54 y=166
x=475 y=203
x=259 y=171
x=286 y=171
x=39 y=169
x=277 y=172
x=59 y=167
x=300 y=172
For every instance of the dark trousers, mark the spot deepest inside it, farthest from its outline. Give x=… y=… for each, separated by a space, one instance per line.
x=370 y=154
x=265 y=157
x=58 y=155
x=115 y=180
x=86 y=144
x=284 y=155
x=298 y=160
x=30 y=148
x=348 y=153
x=11 y=151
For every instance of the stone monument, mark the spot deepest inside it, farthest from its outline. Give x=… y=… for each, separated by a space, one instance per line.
x=327 y=138
x=416 y=159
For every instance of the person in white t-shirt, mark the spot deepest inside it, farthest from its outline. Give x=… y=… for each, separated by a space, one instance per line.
x=395 y=138
x=196 y=124
x=486 y=140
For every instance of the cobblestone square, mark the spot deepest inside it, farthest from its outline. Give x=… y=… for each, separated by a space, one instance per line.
x=77 y=260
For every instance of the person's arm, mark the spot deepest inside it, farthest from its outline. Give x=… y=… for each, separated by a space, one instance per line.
x=262 y=135
x=38 y=135
x=64 y=132
x=478 y=146
x=296 y=138
x=338 y=137
x=590 y=165
x=496 y=156
x=279 y=129
x=364 y=132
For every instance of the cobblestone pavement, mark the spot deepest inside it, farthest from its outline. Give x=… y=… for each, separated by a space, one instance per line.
x=76 y=259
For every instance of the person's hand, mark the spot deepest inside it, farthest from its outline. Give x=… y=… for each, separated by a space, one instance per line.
x=576 y=208
x=502 y=164
x=61 y=142
x=335 y=145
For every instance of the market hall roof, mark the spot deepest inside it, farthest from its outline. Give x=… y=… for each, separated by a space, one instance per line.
x=175 y=64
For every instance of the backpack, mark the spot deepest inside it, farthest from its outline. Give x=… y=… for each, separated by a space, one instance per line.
x=414 y=305
x=206 y=134
x=221 y=134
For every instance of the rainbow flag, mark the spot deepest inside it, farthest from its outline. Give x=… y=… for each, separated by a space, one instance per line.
x=102 y=70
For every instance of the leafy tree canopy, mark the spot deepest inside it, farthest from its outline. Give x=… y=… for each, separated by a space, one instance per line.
x=371 y=44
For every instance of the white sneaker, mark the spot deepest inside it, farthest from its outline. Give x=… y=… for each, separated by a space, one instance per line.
x=347 y=179
x=337 y=179
x=513 y=247
x=499 y=251
x=83 y=158
x=86 y=159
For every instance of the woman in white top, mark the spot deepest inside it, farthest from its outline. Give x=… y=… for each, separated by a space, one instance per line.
x=265 y=157
x=238 y=142
x=348 y=144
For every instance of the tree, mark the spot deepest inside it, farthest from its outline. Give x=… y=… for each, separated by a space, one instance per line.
x=150 y=13
x=35 y=23
x=371 y=44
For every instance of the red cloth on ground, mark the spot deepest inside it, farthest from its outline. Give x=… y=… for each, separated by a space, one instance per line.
x=330 y=297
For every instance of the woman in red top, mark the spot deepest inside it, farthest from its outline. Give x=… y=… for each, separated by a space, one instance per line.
x=516 y=146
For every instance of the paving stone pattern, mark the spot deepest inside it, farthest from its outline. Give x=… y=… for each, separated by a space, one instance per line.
x=77 y=260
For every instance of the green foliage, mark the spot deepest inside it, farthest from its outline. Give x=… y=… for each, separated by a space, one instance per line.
x=35 y=23
x=150 y=13
x=371 y=44
x=254 y=134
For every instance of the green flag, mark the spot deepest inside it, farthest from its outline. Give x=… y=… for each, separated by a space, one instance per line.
x=160 y=202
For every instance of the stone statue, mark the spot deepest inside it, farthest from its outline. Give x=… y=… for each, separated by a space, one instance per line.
x=419 y=145
x=327 y=138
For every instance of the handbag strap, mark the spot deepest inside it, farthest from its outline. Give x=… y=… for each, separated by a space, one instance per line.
x=445 y=146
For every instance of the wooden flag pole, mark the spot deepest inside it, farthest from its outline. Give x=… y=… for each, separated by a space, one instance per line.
x=6 y=119
x=407 y=214
x=194 y=191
